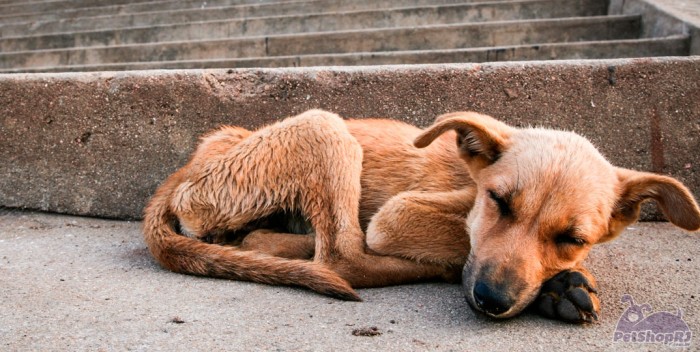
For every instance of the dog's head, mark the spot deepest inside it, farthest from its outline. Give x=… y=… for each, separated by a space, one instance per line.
x=544 y=198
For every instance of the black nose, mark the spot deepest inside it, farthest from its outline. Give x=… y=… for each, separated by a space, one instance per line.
x=489 y=300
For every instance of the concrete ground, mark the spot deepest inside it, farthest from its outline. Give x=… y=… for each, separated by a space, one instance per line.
x=72 y=283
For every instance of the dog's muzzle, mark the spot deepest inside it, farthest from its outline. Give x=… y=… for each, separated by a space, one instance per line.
x=500 y=296
x=489 y=300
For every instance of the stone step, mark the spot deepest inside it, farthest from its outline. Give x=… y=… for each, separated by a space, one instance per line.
x=374 y=40
x=75 y=8
x=195 y=5
x=161 y=17
x=71 y=9
x=630 y=48
x=99 y=143
x=401 y=17
x=22 y=7
x=10 y=2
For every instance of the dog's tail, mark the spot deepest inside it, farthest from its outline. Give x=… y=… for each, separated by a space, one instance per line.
x=187 y=255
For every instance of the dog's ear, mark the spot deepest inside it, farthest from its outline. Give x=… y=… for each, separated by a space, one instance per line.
x=674 y=199
x=479 y=137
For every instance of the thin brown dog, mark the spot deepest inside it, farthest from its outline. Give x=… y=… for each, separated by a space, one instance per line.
x=379 y=202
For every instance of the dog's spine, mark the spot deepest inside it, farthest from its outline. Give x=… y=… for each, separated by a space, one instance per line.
x=186 y=255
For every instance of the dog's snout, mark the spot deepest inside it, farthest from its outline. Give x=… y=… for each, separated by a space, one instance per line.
x=490 y=300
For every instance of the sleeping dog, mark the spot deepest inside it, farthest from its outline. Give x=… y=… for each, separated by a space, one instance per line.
x=333 y=204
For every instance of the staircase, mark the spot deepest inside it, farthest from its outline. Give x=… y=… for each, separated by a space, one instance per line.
x=100 y=35
x=98 y=143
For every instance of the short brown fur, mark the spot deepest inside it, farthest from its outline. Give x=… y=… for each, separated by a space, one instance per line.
x=518 y=206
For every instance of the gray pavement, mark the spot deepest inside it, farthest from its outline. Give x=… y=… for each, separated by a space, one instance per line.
x=74 y=284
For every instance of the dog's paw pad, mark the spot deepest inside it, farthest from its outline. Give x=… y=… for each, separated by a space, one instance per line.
x=570 y=297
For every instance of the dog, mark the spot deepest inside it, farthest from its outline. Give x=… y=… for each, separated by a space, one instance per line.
x=332 y=204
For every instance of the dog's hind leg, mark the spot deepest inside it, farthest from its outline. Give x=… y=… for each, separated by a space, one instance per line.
x=311 y=163
x=221 y=193
x=308 y=163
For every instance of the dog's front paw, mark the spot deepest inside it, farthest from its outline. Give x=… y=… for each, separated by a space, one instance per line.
x=569 y=296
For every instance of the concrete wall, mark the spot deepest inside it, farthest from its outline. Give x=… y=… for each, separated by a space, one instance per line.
x=99 y=143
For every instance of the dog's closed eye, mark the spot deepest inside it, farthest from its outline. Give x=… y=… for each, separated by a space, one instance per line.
x=568 y=237
x=503 y=207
